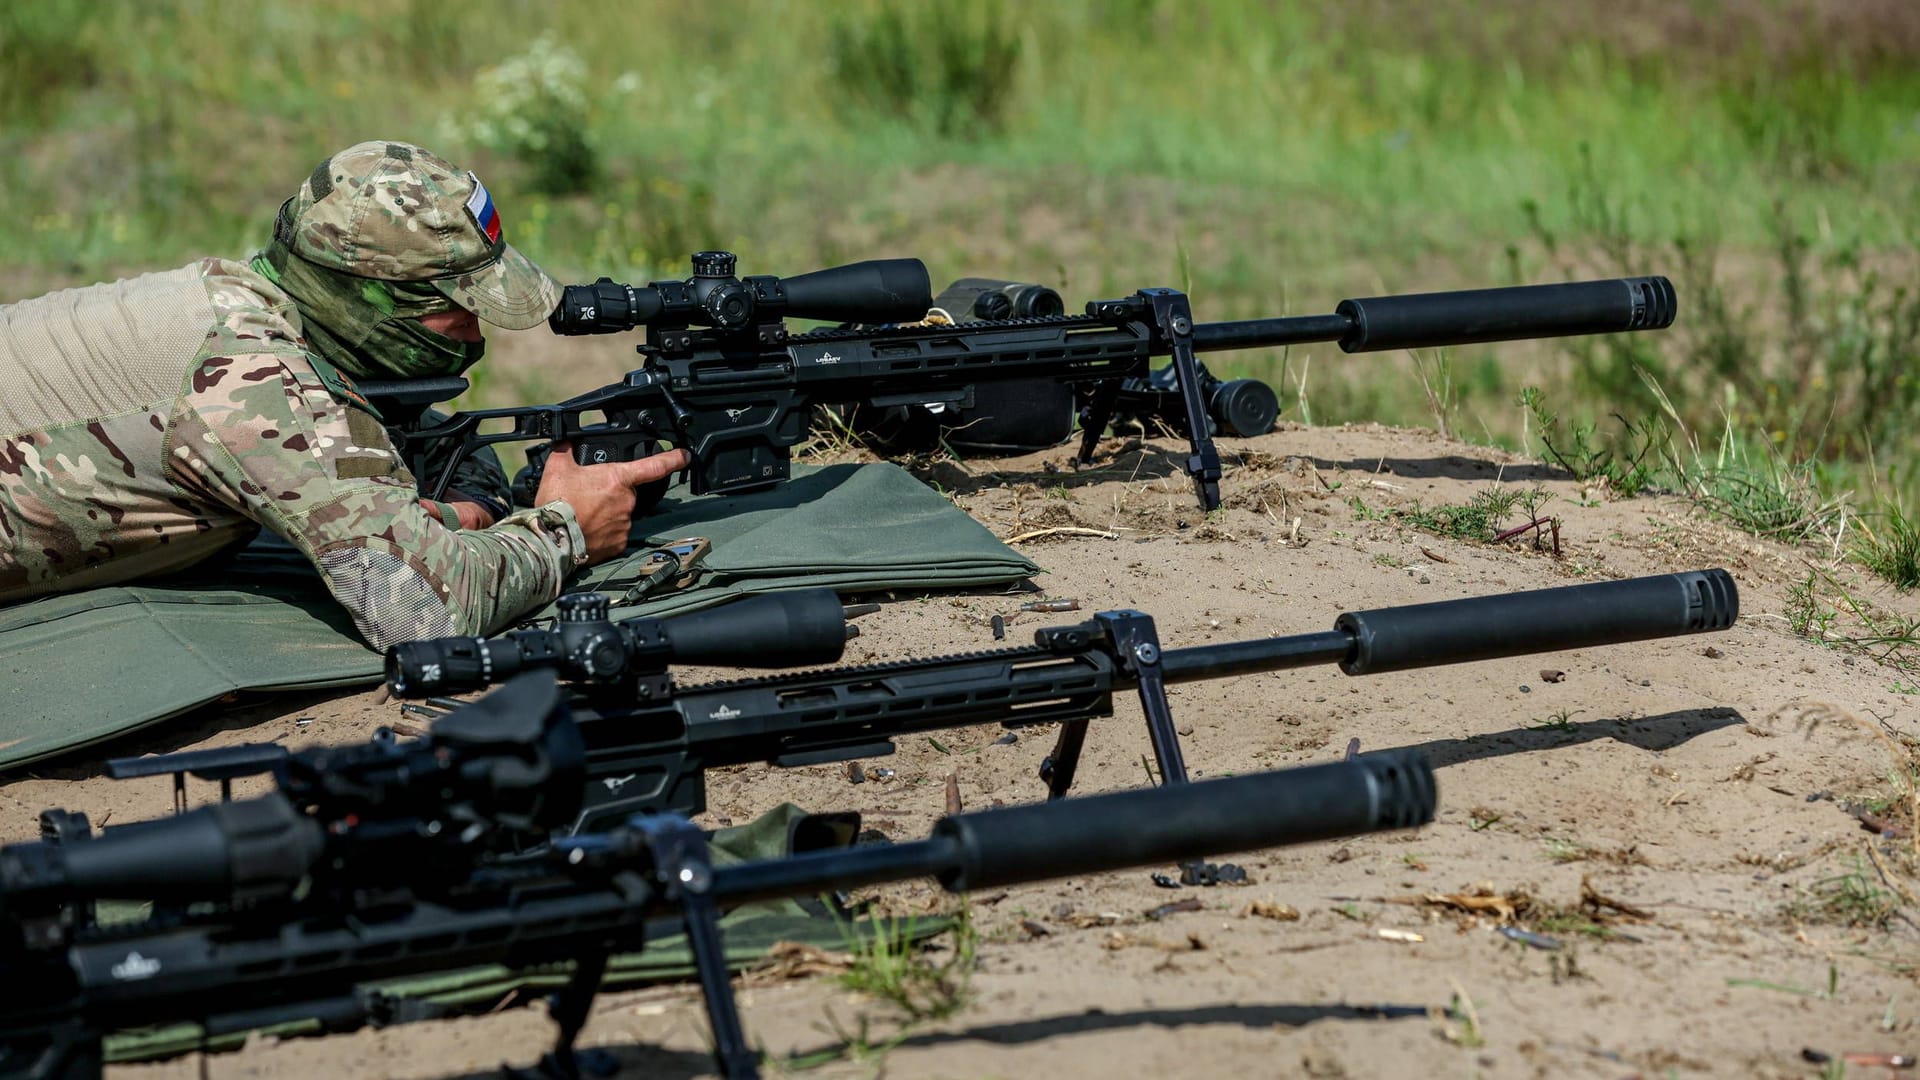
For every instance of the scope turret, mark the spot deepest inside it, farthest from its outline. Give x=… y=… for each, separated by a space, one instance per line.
x=875 y=291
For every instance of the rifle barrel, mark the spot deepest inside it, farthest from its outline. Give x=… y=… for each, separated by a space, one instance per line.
x=1436 y=320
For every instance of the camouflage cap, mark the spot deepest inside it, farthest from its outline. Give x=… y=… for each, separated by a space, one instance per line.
x=393 y=211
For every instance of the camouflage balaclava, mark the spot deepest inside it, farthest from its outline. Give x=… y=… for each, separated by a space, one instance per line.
x=382 y=233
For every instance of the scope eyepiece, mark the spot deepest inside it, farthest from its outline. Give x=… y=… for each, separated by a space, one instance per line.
x=604 y=307
x=448 y=665
x=237 y=852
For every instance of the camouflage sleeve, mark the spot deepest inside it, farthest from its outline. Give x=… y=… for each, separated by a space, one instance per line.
x=261 y=434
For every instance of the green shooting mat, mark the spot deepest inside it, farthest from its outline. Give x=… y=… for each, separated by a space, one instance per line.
x=85 y=667
x=848 y=527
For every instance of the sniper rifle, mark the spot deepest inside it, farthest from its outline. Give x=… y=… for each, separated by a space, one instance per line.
x=650 y=742
x=724 y=379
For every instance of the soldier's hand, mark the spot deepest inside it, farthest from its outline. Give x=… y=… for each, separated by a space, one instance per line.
x=471 y=515
x=602 y=495
x=474 y=513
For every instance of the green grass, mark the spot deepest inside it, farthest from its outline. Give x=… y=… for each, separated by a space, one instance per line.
x=894 y=968
x=1459 y=1022
x=1847 y=899
x=1479 y=518
x=1383 y=153
x=1560 y=721
x=1270 y=156
x=1891 y=547
x=1824 y=608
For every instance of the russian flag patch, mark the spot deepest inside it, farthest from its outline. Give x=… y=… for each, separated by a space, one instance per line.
x=480 y=207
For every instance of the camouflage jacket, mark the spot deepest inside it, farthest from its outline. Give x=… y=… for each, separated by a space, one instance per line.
x=151 y=423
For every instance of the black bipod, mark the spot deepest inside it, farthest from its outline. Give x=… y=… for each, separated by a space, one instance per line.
x=1172 y=318
x=570 y=1007
x=1135 y=644
x=683 y=870
x=225 y=764
x=679 y=869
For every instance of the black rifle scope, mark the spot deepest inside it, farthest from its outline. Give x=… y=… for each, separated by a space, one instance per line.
x=875 y=291
x=779 y=630
x=509 y=767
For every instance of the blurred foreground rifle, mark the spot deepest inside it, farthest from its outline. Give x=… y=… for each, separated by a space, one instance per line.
x=383 y=860
x=724 y=379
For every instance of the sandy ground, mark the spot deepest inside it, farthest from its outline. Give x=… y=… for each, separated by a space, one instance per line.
x=1699 y=781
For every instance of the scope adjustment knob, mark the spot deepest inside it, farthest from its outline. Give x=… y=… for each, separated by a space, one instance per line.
x=729 y=305
x=582 y=607
x=718 y=264
x=600 y=657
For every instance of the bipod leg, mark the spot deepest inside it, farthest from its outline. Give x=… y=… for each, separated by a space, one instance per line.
x=682 y=869
x=730 y=1051
x=1173 y=318
x=570 y=1008
x=1095 y=418
x=1137 y=645
x=68 y=1052
x=1058 y=767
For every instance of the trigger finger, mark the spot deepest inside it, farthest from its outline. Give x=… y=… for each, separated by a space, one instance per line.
x=658 y=466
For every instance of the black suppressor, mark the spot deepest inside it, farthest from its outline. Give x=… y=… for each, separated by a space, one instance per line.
x=1574 y=616
x=1436 y=320
x=1432 y=320
x=1370 y=793
x=875 y=291
x=778 y=630
x=1480 y=628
